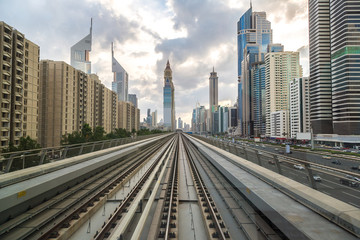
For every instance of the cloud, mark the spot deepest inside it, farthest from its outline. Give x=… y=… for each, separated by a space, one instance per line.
x=194 y=35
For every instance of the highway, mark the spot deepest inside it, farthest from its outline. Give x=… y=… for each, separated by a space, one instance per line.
x=330 y=180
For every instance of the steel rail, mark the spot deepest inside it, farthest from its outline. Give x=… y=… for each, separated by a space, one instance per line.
x=196 y=173
x=105 y=230
x=174 y=178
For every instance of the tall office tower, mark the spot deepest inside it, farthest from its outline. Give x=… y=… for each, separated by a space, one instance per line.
x=20 y=82
x=320 y=66
x=280 y=69
x=133 y=99
x=154 y=119
x=258 y=100
x=213 y=93
x=120 y=83
x=180 y=123
x=79 y=53
x=299 y=106
x=345 y=66
x=254 y=30
x=169 y=100
x=334 y=32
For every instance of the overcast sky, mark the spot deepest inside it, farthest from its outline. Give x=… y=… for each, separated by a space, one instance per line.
x=194 y=35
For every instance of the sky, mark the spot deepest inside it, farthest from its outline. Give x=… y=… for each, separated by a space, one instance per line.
x=195 y=35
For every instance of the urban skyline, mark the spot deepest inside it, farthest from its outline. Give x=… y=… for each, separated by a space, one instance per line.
x=175 y=38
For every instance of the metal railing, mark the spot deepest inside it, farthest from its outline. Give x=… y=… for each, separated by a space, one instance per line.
x=275 y=162
x=13 y=161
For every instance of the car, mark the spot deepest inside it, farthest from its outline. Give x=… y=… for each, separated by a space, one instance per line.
x=326 y=157
x=276 y=149
x=263 y=145
x=355 y=168
x=337 y=162
x=317 y=178
x=281 y=151
x=271 y=162
x=349 y=182
x=353 y=178
x=299 y=167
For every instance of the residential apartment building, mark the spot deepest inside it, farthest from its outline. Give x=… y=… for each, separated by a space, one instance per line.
x=299 y=106
x=128 y=116
x=279 y=125
x=20 y=82
x=281 y=68
x=59 y=101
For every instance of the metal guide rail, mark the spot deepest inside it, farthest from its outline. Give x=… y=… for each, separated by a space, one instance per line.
x=77 y=204
x=213 y=218
x=111 y=228
x=260 y=229
x=268 y=190
x=169 y=218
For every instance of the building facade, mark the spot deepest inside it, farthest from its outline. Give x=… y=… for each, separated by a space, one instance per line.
x=20 y=86
x=169 y=99
x=80 y=53
x=280 y=69
x=254 y=30
x=133 y=99
x=213 y=93
x=299 y=106
x=120 y=83
x=279 y=125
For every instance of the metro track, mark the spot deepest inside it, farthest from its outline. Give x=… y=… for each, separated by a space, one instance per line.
x=62 y=210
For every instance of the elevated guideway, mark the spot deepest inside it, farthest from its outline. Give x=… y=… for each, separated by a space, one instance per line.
x=158 y=187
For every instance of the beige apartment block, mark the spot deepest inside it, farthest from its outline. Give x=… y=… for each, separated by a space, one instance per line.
x=94 y=117
x=128 y=116
x=109 y=110
x=82 y=111
x=19 y=82
x=59 y=101
x=31 y=90
x=281 y=68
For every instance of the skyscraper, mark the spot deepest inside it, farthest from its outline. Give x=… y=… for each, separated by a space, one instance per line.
x=120 y=83
x=281 y=68
x=169 y=99
x=299 y=106
x=334 y=33
x=253 y=36
x=213 y=93
x=133 y=99
x=320 y=66
x=79 y=54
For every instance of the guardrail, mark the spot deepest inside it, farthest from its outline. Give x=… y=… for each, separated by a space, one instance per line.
x=276 y=159
x=13 y=161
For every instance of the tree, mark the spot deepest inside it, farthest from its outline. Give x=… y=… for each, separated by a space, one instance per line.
x=98 y=134
x=86 y=132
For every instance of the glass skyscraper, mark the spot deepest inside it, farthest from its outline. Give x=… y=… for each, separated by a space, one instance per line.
x=169 y=100
x=334 y=35
x=120 y=83
x=79 y=53
x=254 y=34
